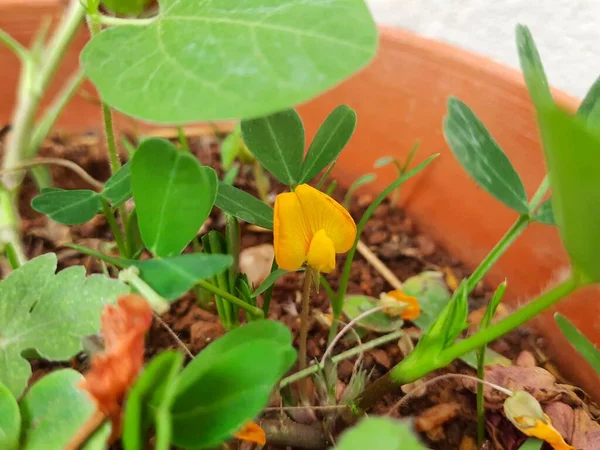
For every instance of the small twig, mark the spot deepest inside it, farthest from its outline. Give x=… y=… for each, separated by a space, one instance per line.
x=378 y=265
x=174 y=335
x=313 y=408
x=86 y=430
x=404 y=399
x=57 y=162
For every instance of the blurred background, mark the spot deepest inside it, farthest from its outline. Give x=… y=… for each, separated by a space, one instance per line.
x=567 y=32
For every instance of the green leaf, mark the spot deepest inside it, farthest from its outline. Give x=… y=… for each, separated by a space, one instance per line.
x=486 y=320
x=229 y=176
x=231 y=147
x=590 y=107
x=10 y=420
x=70 y=207
x=430 y=289
x=172 y=277
x=117 y=189
x=126 y=6
x=479 y=154
x=229 y=383
x=149 y=400
x=381 y=433
x=573 y=160
x=360 y=181
x=54 y=409
x=544 y=213
x=532 y=67
x=277 y=141
x=380 y=322
x=203 y=61
x=491 y=358
x=270 y=280
x=173 y=194
x=331 y=138
x=48 y=313
x=582 y=344
x=384 y=161
x=244 y=206
x=532 y=444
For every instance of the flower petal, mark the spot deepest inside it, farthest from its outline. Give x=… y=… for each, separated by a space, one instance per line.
x=546 y=432
x=321 y=254
x=412 y=310
x=252 y=432
x=321 y=212
x=291 y=235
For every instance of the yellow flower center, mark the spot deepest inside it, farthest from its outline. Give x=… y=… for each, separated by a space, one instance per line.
x=321 y=253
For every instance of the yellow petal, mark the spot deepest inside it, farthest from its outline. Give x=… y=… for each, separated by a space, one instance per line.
x=412 y=310
x=291 y=236
x=321 y=212
x=321 y=254
x=252 y=432
x=544 y=431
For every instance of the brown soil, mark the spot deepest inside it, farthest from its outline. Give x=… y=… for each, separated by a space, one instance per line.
x=446 y=414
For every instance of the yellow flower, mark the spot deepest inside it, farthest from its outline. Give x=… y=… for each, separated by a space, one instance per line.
x=525 y=413
x=311 y=227
x=252 y=432
x=397 y=303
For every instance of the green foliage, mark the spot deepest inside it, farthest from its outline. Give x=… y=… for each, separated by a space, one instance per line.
x=544 y=213
x=229 y=382
x=233 y=148
x=582 y=344
x=381 y=433
x=69 y=207
x=10 y=420
x=331 y=138
x=244 y=206
x=270 y=280
x=430 y=289
x=360 y=181
x=126 y=6
x=378 y=321
x=533 y=70
x=54 y=409
x=174 y=276
x=117 y=189
x=277 y=141
x=198 y=62
x=590 y=107
x=149 y=401
x=49 y=314
x=173 y=193
x=479 y=154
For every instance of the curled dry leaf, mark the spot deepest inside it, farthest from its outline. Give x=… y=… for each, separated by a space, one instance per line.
x=256 y=263
x=113 y=372
x=575 y=425
x=436 y=416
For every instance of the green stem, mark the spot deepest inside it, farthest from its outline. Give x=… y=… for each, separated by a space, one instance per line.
x=183 y=140
x=308 y=277
x=131 y=276
x=255 y=311
x=269 y=292
x=114 y=228
x=13 y=45
x=539 y=194
x=116 y=21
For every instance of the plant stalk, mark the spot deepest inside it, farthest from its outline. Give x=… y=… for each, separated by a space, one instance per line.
x=255 y=311
x=308 y=276
x=114 y=228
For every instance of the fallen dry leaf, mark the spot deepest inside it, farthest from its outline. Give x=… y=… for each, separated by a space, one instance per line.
x=575 y=424
x=113 y=372
x=526 y=359
x=436 y=415
x=256 y=263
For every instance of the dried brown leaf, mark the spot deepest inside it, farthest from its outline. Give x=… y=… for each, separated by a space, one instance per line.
x=436 y=415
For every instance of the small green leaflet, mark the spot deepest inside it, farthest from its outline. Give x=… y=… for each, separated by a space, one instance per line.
x=479 y=154
x=200 y=60
x=360 y=181
x=48 y=313
x=173 y=194
x=69 y=207
x=231 y=380
x=544 y=213
x=430 y=289
x=270 y=281
x=126 y=6
x=532 y=67
x=590 y=107
x=381 y=433
x=117 y=189
x=582 y=344
x=10 y=420
x=277 y=141
x=54 y=409
x=331 y=138
x=244 y=206
x=380 y=322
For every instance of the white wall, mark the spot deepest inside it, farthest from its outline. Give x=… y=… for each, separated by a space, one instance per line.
x=567 y=32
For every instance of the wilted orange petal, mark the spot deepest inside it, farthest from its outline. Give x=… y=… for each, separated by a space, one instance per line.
x=413 y=310
x=291 y=236
x=252 y=432
x=544 y=431
x=113 y=372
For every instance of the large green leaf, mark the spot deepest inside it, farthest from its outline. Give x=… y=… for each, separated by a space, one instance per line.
x=479 y=154
x=173 y=194
x=582 y=344
x=200 y=60
x=244 y=206
x=149 y=401
x=277 y=141
x=332 y=136
x=126 y=6
x=573 y=158
x=117 y=189
x=10 y=420
x=48 y=313
x=70 y=207
x=172 y=277
x=54 y=409
x=229 y=383
x=381 y=433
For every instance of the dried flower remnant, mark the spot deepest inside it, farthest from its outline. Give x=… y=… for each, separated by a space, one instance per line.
x=252 y=432
x=397 y=303
x=113 y=372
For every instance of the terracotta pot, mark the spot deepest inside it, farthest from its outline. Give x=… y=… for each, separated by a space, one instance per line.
x=399 y=98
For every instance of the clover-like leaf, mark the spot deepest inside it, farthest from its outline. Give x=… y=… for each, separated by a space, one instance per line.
x=10 y=420
x=173 y=194
x=430 y=289
x=200 y=60
x=380 y=322
x=117 y=189
x=70 y=207
x=48 y=313
x=381 y=433
x=54 y=409
x=533 y=69
x=244 y=206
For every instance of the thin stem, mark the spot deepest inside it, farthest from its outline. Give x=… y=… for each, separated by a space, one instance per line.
x=13 y=45
x=10 y=225
x=131 y=277
x=269 y=292
x=117 y=21
x=114 y=228
x=378 y=265
x=115 y=162
x=262 y=182
x=308 y=275
x=255 y=311
x=183 y=140
x=341 y=357
x=328 y=289
x=539 y=194
x=173 y=335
